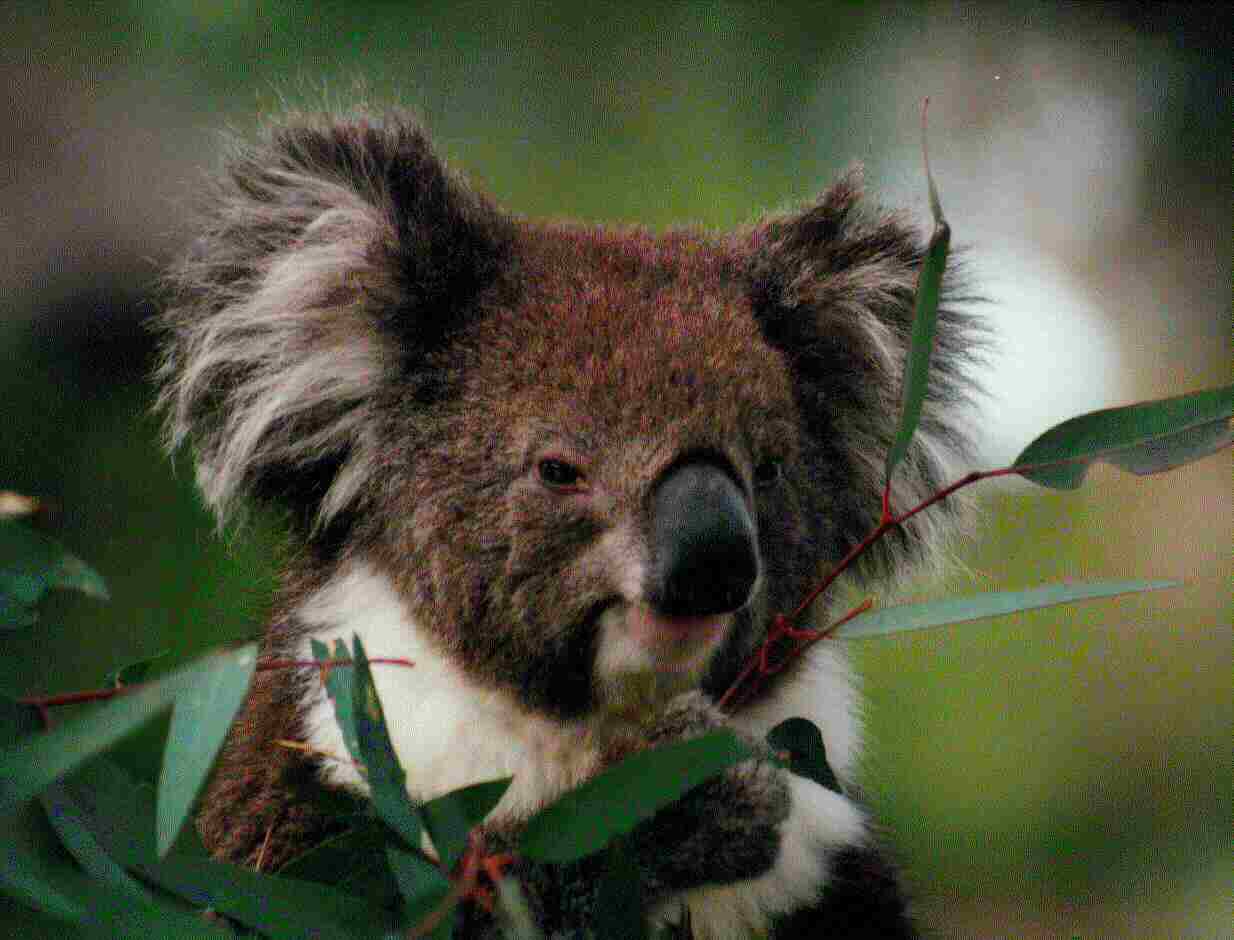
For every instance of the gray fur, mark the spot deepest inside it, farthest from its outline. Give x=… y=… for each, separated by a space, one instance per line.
x=360 y=339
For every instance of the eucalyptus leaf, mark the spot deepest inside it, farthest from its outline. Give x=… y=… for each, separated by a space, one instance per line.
x=337 y=859
x=96 y=907
x=803 y=741
x=120 y=813
x=450 y=818
x=583 y=820
x=40 y=875
x=68 y=819
x=1144 y=438
x=283 y=908
x=204 y=710
x=620 y=911
x=907 y=617
x=339 y=684
x=421 y=883
x=386 y=778
x=925 y=323
x=135 y=672
x=32 y=764
x=31 y=564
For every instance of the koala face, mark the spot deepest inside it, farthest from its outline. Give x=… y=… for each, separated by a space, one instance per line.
x=612 y=493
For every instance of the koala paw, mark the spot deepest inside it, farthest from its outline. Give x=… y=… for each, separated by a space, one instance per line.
x=814 y=824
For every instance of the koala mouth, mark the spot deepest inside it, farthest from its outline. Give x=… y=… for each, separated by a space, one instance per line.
x=632 y=638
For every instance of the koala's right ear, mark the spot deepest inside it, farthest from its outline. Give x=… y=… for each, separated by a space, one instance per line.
x=332 y=257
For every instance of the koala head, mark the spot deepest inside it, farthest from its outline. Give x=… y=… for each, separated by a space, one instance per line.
x=592 y=463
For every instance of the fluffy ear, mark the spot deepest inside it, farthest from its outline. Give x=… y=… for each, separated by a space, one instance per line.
x=834 y=290
x=332 y=257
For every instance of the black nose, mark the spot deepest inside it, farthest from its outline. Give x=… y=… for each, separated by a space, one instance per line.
x=704 y=550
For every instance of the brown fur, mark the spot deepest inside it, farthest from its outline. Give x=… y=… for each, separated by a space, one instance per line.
x=359 y=338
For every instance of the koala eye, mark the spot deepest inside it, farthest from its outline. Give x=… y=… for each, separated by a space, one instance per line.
x=558 y=475
x=767 y=474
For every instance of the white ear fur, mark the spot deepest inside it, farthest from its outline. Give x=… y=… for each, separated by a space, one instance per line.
x=277 y=365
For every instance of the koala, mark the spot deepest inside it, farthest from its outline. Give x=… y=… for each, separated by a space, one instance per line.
x=572 y=473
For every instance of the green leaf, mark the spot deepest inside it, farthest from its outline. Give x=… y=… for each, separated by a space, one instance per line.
x=336 y=859
x=420 y=882
x=450 y=818
x=68 y=819
x=120 y=813
x=807 y=754
x=204 y=710
x=281 y=907
x=386 y=778
x=17 y=721
x=1148 y=437
x=30 y=765
x=39 y=874
x=582 y=821
x=134 y=673
x=71 y=896
x=620 y=912
x=925 y=322
x=957 y=610
x=339 y=688
x=30 y=565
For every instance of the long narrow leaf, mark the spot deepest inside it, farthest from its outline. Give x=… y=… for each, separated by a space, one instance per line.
x=31 y=564
x=925 y=322
x=120 y=814
x=339 y=688
x=204 y=711
x=957 y=610
x=1148 y=437
x=30 y=765
x=386 y=778
x=423 y=887
x=67 y=818
x=450 y=818
x=585 y=819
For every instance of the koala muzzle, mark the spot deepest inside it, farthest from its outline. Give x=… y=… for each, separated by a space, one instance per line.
x=704 y=549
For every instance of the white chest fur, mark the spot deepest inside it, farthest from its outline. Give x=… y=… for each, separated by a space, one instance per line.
x=448 y=732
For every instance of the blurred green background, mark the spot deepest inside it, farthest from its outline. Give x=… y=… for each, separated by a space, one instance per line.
x=1060 y=775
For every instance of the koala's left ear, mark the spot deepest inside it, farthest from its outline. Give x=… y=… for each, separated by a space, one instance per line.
x=833 y=289
x=333 y=256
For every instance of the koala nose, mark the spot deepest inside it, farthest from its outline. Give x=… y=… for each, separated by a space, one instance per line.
x=704 y=554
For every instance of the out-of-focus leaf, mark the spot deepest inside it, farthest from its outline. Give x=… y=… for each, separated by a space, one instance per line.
x=120 y=813
x=336 y=859
x=420 y=882
x=134 y=673
x=582 y=821
x=31 y=564
x=620 y=913
x=38 y=873
x=205 y=708
x=925 y=322
x=68 y=819
x=280 y=907
x=28 y=766
x=807 y=754
x=1148 y=437
x=451 y=817
x=13 y=505
x=71 y=896
x=959 y=609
